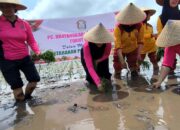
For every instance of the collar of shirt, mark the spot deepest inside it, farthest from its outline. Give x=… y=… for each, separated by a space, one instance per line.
x=5 y=19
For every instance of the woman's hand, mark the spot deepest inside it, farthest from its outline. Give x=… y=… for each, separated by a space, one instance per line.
x=163 y=73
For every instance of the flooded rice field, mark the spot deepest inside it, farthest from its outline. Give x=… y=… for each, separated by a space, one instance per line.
x=65 y=101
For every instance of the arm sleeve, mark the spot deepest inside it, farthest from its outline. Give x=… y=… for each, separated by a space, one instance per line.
x=141 y=35
x=89 y=64
x=148 y=35
x=107 y=52
x=117 y=38
x=159 y=26
x=149 y=32
x=30 y=39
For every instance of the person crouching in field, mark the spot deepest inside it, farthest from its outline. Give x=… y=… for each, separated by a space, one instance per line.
x=149 y=47
x=95 y=54
x=129 y=36
x=170 y=39
x=170 y=10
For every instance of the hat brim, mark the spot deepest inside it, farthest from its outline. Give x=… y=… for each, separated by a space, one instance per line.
x=160 y=2
x=170 y=35
x=130 y=15
x=130 y=22
x=18 y=6
x=150 y=11
x=99 y=34
x=103 y=39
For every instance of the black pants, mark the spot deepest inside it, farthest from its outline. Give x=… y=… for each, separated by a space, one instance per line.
x=102 y=69
x=11 y=71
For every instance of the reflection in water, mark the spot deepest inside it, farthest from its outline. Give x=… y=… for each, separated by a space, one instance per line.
x=13 y=115
x=87 y=124
x=111 y=88
x=21 y=112
x=139 y=82
x=176 y=90
x=114 y=95
x=122 y=121
x=163 y=114
x=104 y=119
x=160 y=114
x=121 y=105
x=125 y=108
x=19 y=115
x=110 y=97
x=160 y=110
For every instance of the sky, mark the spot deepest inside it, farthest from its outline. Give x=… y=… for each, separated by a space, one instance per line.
x=48 y=9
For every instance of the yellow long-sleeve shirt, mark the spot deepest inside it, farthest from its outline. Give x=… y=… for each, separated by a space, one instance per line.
x=159 y=26
x=149 y=41
x=128 y=42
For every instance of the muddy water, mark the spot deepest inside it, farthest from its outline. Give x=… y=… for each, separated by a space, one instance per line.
x=129 y=106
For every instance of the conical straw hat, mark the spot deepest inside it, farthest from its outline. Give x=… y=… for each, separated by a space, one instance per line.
x=19 y=6
x=99 y=34
x=160 y=2
x=170 y=35
x=130 y=15
x=150 y=11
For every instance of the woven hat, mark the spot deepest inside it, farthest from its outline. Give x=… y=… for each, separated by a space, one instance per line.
x=99 y=34
x=170 y=34
x=150 y=11
x=160 y=2
x=19 y=6
x=130 y=15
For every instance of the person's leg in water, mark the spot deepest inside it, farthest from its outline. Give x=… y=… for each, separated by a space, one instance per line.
x=152 y=56
x=116 y=65
x=31 y=74
x=12 y=76
x=29 y=89
x=174 y=67
x=18 y=94
x=132 y=63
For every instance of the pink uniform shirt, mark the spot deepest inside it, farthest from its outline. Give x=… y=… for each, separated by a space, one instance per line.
x=89 y=61
x=15 y=39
